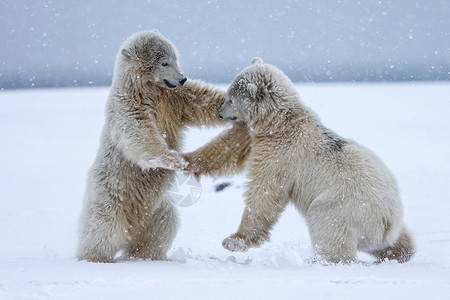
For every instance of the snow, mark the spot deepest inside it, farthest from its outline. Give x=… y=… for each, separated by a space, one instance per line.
x=49 y=138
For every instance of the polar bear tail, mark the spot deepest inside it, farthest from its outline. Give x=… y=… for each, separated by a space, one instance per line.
x=402 y=250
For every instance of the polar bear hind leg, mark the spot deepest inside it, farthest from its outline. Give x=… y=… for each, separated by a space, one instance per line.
x=402 y=250
x=336 y=246
x=160 y=231
x=332 y=239
x=101 y=239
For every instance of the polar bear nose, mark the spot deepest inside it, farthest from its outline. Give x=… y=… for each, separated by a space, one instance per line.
x=182 y=81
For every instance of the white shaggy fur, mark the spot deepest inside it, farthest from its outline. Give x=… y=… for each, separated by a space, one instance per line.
x=126 y=206
x=348 y=197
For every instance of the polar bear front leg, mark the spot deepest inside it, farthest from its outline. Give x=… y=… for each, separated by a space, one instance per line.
x=235 y=243
x=170 y=160
x=253 y=231
x=147 y=148
x=262 y=211
x=225 y=155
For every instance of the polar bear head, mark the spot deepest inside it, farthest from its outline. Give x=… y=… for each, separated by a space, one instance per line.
x=148 y=57
x=258 y=92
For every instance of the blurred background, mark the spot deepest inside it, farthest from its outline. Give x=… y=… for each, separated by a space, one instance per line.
x=59 y=43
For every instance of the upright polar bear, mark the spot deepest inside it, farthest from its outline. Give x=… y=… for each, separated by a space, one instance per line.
x=347 y=195
x=126 y=205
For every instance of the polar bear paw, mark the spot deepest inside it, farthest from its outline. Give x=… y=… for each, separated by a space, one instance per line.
x=175 y=161
x=171 y=160
x=194 y=165
x=234 y=243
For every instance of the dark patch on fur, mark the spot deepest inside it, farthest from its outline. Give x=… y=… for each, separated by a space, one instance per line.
x=334 y=141
x=222 y=186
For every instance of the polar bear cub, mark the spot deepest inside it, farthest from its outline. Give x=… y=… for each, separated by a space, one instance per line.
x=127 y=210
x=347 y=196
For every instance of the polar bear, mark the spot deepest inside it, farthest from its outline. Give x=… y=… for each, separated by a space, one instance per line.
x=347 y=196
x=126 y=208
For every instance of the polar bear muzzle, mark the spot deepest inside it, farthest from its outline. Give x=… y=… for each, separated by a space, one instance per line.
x=172 y=86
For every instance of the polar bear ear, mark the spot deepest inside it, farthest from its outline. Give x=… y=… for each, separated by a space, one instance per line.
x=257 y=61
x=130 y=54
x=252 y=89
x=155 y=30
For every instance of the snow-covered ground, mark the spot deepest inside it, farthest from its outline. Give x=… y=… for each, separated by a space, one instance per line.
x=49 y=139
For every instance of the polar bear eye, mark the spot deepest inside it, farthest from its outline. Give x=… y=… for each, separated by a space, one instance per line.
x=164 y=64
x=230 y=101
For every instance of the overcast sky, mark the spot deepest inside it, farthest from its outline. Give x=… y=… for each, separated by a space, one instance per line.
x=74 y=43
